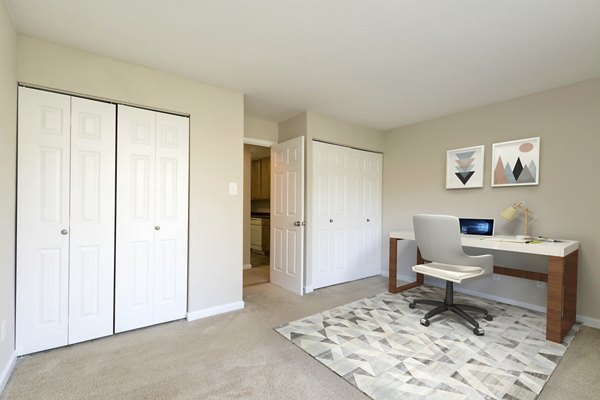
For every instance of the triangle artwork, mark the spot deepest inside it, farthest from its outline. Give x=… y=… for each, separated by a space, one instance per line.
x=464 y=166
x=521 y=172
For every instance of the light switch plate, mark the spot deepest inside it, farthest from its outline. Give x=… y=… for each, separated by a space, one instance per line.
x=233 y=188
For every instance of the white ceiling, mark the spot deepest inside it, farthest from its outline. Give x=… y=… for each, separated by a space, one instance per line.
x=377 y=63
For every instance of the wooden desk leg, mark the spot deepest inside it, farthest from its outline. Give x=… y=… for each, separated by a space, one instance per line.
x=562 y=296
x=393 y=269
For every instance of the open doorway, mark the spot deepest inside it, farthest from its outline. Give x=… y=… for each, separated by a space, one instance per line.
x=257 y=214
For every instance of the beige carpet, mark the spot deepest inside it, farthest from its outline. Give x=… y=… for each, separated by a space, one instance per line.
x=237 y=355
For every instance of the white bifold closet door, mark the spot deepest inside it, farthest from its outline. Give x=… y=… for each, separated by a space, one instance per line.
x=152 y=218
x=65 y=220
x=346 y=217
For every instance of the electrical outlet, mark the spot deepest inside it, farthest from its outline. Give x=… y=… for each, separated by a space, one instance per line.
x=541 y=285
x=496 y=277
x=3 y=330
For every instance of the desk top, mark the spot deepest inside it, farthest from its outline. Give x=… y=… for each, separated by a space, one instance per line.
x=560 y=248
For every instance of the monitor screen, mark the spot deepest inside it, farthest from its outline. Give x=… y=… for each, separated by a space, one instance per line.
x=480 y=227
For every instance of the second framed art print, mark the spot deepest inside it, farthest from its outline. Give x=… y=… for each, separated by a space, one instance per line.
x=516 y=163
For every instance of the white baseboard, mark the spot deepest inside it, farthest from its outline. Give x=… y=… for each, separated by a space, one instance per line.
x=499 y=299
x=247 y=266
x=7 y=370
x=488 y=296
x=209 y=312
x=308 y=289
x=588 y=321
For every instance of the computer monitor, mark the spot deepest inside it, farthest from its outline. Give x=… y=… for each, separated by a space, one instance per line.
x=477 y=226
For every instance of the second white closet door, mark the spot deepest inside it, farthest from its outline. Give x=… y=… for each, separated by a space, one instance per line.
x=346 y=218
x=151 y=253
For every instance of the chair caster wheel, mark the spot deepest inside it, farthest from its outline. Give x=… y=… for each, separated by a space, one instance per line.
x=488 y=317
x=411 y=305
x=478 y=331
x=424 y=322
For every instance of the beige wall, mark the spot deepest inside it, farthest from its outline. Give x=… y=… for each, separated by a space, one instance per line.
x=8 y=166
x=339 y=132
x=292 y=127
x=567 y=200
x=216 y=152
x=261 y=129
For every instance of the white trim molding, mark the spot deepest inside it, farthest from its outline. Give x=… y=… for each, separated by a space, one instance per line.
x=209 y=312
x=588 y=321
x=7 y=370
x=258 y=142
x=442 y=284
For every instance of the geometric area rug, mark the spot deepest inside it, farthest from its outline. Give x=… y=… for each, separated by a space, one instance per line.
x=378 y=345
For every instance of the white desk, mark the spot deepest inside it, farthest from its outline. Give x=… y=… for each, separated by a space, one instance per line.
x=561 y=276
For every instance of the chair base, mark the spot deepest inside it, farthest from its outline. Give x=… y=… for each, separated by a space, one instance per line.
x=458 y=309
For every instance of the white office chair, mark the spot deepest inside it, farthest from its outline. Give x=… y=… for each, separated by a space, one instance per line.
x=438 y=238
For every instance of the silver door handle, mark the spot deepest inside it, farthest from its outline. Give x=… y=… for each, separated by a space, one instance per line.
x=297 y=223
x=64 y=232
x=157 y=228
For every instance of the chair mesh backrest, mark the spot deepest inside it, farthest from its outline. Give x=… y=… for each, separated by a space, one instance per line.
x=438 y=238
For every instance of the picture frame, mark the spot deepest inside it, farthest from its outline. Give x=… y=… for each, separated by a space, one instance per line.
x=516 y=163
x=464 y=167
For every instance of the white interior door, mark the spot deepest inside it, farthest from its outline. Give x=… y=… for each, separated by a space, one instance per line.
x=346 y=221
x=134 y=279
x=42 y=220
x=152 y=218
x=171 y=217
x=287 y=215
x=92 y=219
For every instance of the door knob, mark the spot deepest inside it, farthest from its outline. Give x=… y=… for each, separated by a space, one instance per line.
x=157 y=228
x=330 y=221
x=297 y=223
x=368 y=220
x=64 y=232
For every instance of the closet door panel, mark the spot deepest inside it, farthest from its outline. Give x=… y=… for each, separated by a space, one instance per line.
x=171 y=216
x=93 y=135
x=134 y=280
x=372 y=211
x=42 y=220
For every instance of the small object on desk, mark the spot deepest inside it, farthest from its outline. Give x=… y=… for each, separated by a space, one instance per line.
x=516 y=239
x=545 y=239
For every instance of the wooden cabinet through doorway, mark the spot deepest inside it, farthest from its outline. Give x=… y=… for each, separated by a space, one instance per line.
x=261 y=179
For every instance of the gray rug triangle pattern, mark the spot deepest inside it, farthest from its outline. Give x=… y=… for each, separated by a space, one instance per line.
x=378 y=345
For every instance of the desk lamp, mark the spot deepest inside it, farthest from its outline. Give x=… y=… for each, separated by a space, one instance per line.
x=511 y=212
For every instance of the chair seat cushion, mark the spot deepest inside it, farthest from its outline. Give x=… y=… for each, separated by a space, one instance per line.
x=453 y=273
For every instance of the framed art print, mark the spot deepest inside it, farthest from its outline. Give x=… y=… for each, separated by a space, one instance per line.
x=464 y=168
x=516 y=163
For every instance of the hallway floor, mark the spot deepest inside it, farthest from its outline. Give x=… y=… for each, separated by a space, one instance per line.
x=259 y=273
